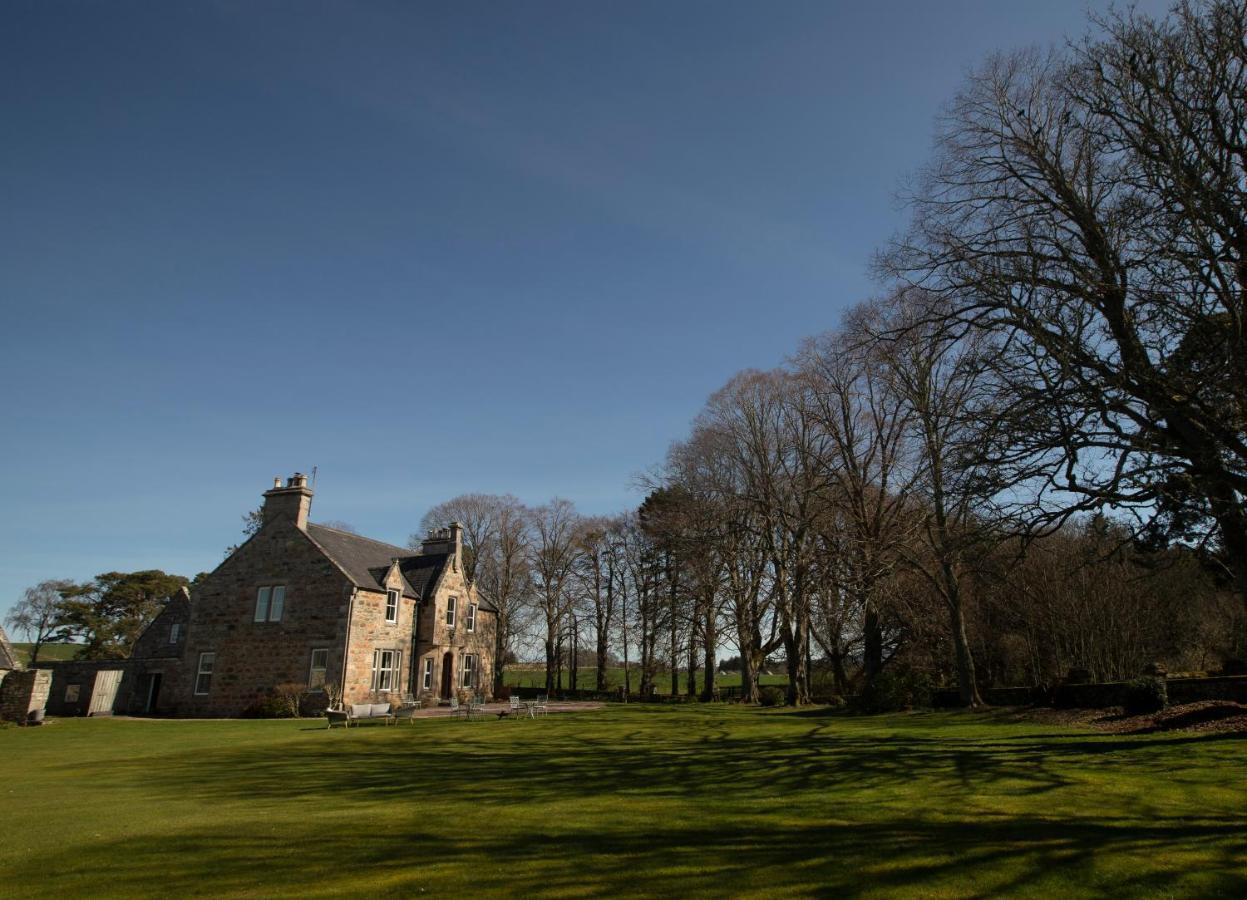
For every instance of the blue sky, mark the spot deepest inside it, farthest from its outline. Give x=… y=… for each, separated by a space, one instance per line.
x=428 y=248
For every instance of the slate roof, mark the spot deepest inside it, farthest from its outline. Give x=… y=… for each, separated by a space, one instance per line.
x=367 y=562
x=364 y=560
x=8 y=659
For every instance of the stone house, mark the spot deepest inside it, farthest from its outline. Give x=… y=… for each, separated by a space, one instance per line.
x=301 y=603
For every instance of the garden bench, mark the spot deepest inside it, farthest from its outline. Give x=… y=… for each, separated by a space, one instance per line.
x=359 y=712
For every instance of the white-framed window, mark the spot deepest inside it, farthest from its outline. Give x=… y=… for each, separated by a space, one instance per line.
x=203 y=675
x=451 y=604
x=391 y=606
x=270 y=603
x=385 y=668
x=175 y=632
x=316 y=673
x=469 y=621
x=467 y=677
x=426 y=680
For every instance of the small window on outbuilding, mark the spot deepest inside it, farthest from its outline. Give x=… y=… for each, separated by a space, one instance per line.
x=320 y=664
x=203 y=675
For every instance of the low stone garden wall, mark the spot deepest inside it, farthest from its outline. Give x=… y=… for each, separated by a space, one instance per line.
x=1100 y=696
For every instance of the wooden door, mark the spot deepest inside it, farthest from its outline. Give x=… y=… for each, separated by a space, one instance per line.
x=105 y=692
x=448 y=670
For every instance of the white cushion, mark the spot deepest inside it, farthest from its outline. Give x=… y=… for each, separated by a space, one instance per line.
x=360 y=710
x=380 y=709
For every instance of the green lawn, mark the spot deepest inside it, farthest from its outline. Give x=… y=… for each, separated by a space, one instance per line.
x=658 y=800
x=586 y=679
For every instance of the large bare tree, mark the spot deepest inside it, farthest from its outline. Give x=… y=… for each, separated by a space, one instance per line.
x=553 y=555
x=1088 y=210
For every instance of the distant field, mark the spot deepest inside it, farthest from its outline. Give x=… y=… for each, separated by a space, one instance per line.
x=47 y=653
x=586 y=679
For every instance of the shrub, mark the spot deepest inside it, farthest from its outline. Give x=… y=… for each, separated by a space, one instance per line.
x=1146 y=695
x=772 y=696
x=282 y=702
x=895 y=690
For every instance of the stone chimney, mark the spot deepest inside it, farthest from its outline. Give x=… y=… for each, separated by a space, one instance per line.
x=293 y=501
x=444 y=540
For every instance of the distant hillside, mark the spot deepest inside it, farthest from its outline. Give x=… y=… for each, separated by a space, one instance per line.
x=47 y=653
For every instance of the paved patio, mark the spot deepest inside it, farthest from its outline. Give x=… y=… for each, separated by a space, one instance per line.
x=494 y=709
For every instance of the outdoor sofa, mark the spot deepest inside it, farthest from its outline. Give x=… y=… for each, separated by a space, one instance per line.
x=360 y=712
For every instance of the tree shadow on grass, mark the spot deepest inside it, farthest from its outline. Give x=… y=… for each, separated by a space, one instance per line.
x=564 y=762
x=727 y=789
x=555 y=768
x=969 y=858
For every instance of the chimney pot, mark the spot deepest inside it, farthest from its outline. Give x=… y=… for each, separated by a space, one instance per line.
x=293 y=501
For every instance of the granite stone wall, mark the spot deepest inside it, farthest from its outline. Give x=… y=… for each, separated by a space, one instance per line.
x=253 y=657
x=437 y=638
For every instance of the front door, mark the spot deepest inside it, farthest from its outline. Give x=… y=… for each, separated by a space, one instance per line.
x=448 y=672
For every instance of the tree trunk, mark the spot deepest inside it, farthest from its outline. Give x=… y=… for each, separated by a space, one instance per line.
x=872 y=639
x=839 y=677
x=967 y=686
x=500 y=652
x=549 y=664
x=709 y=689
x=690 y=680
x=675 y=654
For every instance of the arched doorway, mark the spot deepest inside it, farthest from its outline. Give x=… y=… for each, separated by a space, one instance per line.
x=448 y=671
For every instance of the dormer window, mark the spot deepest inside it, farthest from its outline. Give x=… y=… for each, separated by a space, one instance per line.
x=391 y=606
x=451 y=603
x=470 y=622
x=270 y=602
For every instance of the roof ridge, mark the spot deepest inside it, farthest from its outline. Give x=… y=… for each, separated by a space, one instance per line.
x=408 y=551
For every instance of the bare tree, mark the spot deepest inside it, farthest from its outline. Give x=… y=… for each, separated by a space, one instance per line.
x=553 y=555
x=339 y=525
x=941 y=378
x=770 y=439
x=861 y=458
x=1088 y=211
x=37 y=614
